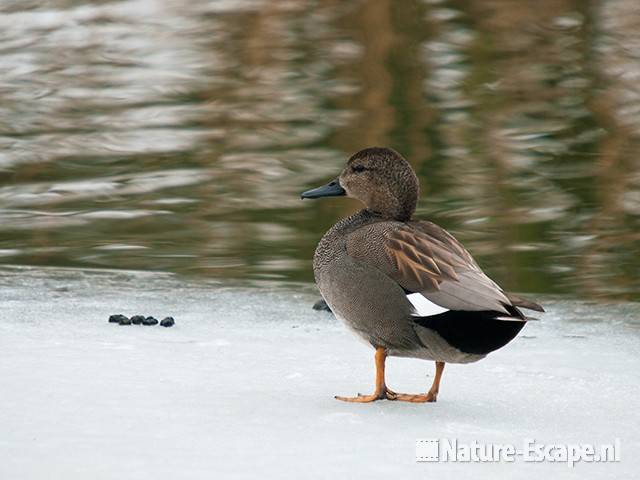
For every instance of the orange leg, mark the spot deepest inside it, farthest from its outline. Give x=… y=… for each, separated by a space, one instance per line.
x=431 y=395
x=381 y=391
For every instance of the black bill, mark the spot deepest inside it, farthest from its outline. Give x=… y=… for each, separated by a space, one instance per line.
x=331 y=189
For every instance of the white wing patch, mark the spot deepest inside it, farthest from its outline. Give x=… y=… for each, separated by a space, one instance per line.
x=423 y=306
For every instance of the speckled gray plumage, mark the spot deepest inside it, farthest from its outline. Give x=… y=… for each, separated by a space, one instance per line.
x=343 y=281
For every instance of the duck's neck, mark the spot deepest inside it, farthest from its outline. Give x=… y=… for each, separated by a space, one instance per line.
x=333 y=244
x=391 y=207
x=336 y=237
x=355 y=221
x=398 y=214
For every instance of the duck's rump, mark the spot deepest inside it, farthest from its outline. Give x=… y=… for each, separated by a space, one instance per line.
x=470 y=332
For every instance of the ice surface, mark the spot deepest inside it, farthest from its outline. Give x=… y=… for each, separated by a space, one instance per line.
x=243 y=385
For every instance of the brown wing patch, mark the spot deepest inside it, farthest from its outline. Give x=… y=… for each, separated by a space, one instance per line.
x=420 y=259
x=440 y=236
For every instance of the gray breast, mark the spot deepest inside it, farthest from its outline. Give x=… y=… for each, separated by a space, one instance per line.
x=367 y=300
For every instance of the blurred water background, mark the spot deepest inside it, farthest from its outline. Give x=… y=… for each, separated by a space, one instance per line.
x=176 y=136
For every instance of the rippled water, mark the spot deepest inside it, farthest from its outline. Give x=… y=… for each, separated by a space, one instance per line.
x=176 y=136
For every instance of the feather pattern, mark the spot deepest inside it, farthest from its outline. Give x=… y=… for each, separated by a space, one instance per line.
x=423 y=258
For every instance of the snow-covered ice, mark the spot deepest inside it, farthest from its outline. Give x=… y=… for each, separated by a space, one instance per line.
x=243 y=385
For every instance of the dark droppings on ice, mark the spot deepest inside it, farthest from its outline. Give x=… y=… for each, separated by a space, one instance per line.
x=118 y=318
x=150 y=321
x=168 y=322
x=321 y=305
x=141 y=320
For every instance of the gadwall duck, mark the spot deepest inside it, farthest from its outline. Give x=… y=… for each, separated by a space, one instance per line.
x=407 y=287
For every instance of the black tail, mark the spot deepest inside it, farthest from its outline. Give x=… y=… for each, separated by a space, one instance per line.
x=473 y=332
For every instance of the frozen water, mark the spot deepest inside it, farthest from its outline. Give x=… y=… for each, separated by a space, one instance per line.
x=243 y=386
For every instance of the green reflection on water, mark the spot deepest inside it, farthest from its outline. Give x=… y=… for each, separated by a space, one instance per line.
x=179 y=140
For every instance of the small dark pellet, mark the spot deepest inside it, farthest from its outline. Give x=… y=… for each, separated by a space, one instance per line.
x=117 y=318
x=150 y=321
x=168 y=322
x=321 y=305
x=137 y=319
x=125 y=321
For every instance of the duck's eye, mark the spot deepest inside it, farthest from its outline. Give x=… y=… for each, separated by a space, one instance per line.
x=358 y=168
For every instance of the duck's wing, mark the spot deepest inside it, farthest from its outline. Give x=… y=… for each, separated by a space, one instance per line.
x=425 y=259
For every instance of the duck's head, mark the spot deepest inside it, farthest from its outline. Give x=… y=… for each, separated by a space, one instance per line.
x=378 y=177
